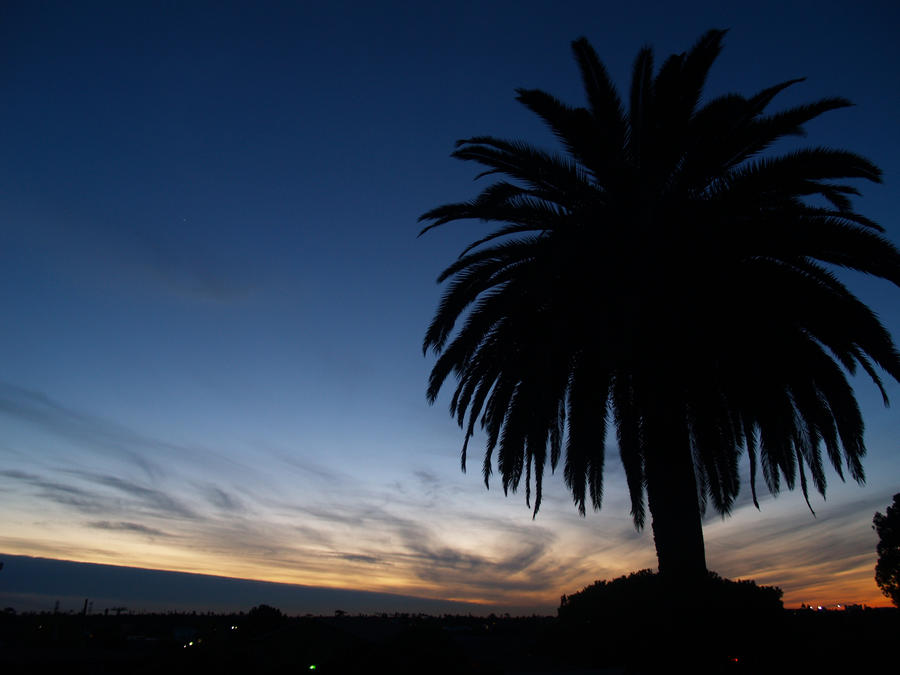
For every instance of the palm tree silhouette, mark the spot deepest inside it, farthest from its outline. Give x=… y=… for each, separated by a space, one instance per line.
x=668 y=276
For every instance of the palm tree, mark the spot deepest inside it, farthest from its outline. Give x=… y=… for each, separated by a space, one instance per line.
x=668 y=276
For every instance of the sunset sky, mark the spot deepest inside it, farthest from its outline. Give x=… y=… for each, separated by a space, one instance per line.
x=213 y=297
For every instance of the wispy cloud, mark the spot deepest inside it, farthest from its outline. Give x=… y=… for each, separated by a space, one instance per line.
x=83 y=429
x=222 y=500
x=155 y=501
x=61 y=493
x=124 y=526
x=93 y=435
x=127 y=497
x=361 y=558
x=313 y=469
x=523 y=559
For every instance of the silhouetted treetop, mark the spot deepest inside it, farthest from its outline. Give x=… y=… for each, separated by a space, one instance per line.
x=887 y=569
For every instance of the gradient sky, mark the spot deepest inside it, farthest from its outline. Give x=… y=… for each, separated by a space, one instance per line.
x=212 y=296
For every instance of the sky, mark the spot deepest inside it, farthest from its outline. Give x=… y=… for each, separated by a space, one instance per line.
x=213 y=296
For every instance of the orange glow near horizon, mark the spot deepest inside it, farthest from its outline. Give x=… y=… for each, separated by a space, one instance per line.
x=478 y=547
x=856 y=587
x=855 y=590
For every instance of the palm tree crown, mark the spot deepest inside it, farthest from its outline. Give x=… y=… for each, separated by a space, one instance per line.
x=665 y=275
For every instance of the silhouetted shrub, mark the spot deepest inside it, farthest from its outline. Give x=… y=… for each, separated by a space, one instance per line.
x=645 y=592
x=647 y=618
x=262 y=619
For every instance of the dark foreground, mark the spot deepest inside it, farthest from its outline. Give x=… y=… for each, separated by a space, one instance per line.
x=263 y=641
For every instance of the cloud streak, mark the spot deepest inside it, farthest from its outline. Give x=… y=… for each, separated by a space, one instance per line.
x=60 y=493
x=222 y=500
x=124 y=526
x=155 y=502
x=82 y=429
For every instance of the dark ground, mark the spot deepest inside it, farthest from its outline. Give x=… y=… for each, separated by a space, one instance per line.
x=263 y=641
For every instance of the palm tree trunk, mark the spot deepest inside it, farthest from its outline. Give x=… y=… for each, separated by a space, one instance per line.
x=672 y=497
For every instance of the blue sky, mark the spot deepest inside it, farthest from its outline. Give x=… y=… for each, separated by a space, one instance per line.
x=213 y=296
